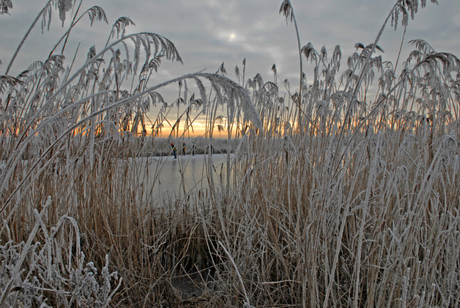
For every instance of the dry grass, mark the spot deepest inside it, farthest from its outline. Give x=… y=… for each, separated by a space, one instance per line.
x=356 y=206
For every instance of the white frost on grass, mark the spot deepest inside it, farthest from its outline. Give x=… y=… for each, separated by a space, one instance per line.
x=53 y=272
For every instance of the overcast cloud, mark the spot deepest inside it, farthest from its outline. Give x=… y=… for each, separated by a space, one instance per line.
x=209 y=32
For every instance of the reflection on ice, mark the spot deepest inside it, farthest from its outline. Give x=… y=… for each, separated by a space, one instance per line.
x=181 y=176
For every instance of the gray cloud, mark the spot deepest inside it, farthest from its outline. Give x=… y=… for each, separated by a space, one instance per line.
x=209 y=32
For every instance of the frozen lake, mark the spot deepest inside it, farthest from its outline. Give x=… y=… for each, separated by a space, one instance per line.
x=166 y=175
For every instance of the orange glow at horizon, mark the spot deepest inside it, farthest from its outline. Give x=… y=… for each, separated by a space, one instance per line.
x=199 y=129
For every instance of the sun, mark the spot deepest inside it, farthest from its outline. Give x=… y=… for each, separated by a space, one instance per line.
x=232 y=36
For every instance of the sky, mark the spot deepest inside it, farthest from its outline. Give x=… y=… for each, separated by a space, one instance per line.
x=208 y=33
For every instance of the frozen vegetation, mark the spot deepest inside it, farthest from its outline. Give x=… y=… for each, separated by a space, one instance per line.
x=342 y=192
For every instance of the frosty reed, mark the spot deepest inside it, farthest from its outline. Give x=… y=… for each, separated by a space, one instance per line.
x=341 y=192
